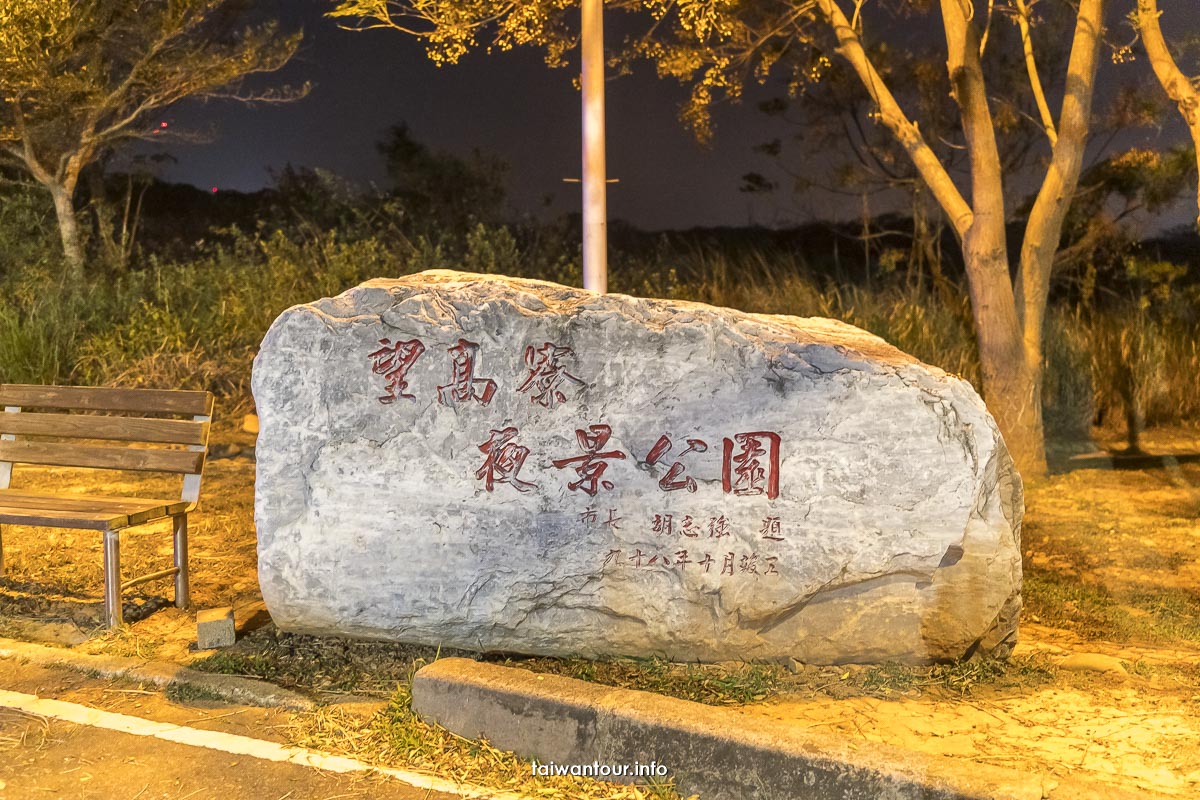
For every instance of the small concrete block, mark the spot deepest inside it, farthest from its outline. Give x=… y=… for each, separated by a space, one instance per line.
x=214 y=628
x=250 y=423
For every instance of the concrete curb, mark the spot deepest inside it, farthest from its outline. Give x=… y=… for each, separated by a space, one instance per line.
x=714 y=752
x=247 y=691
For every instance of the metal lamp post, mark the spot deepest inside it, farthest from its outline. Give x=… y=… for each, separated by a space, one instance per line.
x=595 y=203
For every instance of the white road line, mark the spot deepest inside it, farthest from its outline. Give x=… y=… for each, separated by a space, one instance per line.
x=231 y=743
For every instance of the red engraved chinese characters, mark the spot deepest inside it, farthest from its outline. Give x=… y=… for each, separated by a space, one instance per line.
x=751 y=563
x=547 y=373
x=393 y=361
x=674 y=480
x=751 y=464
x=504 y=460
x=591 y=465
x=464 y=386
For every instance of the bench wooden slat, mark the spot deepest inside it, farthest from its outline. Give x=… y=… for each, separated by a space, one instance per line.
x=134 y=507
x=124 y=429
x=89 y=398
x=69 y=455
x=60 y=518
x=83 y=511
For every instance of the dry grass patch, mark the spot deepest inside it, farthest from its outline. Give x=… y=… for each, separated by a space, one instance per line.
x=1115 y=554
x=741 y=684
x=20 y=729
x=323 y=664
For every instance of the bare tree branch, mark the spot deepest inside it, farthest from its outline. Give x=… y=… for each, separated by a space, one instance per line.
x=1177 y=86
x=906 y=132
x=1035 y=81
x=1043 y=231
x=969 y=92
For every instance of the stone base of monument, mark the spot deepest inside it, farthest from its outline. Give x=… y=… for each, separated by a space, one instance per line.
x=497 y=464
x=717 y=753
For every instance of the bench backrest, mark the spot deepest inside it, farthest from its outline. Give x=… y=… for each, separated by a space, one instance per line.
x=190 y=433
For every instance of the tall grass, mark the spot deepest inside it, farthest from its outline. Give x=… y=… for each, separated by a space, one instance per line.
x=198 y=323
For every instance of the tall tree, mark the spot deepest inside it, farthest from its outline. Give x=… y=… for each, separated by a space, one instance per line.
x=716 y=47
x=457 y=193
x=79 y=78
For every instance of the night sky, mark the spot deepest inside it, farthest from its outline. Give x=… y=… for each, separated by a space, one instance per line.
x=512 y=106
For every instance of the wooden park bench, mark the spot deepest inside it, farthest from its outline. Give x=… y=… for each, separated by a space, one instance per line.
x=31 y=435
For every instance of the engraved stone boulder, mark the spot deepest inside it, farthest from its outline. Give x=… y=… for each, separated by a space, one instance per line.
x=497 y=464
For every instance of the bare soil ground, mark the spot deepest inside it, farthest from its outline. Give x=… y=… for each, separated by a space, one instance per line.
x=53 y=583
x=1105 y=682
x=1138 y=731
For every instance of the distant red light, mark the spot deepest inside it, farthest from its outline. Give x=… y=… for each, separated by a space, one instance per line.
x=162 y=124
x=214 y=190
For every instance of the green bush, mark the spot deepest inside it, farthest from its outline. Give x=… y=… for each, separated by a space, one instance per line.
x=28 y=231
x=200 y=323
x=41 y=325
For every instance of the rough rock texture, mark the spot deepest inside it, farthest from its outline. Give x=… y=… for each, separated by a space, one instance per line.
x=480 y=462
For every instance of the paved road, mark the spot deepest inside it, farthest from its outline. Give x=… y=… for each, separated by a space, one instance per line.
x=63 y=760
x=67 y=752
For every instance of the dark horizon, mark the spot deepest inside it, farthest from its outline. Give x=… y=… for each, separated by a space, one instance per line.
x=510 y=105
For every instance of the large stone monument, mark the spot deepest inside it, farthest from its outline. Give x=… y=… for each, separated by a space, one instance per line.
x=498 y=464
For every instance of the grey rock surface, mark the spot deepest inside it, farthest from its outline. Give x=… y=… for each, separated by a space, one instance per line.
x=500 y=464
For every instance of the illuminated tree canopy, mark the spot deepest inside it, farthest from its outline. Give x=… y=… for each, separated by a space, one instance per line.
x=714 y=47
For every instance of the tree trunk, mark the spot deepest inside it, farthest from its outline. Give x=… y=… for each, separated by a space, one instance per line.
x=68 y=228
x=1043 y=231
x=1011 y=374
x=1012 y=387
x=103 y=214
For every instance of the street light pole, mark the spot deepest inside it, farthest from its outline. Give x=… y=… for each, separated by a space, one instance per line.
x=595 y=203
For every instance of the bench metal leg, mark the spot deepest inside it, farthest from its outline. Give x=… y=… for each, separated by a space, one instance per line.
x=112 y=579
x=183 y=597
